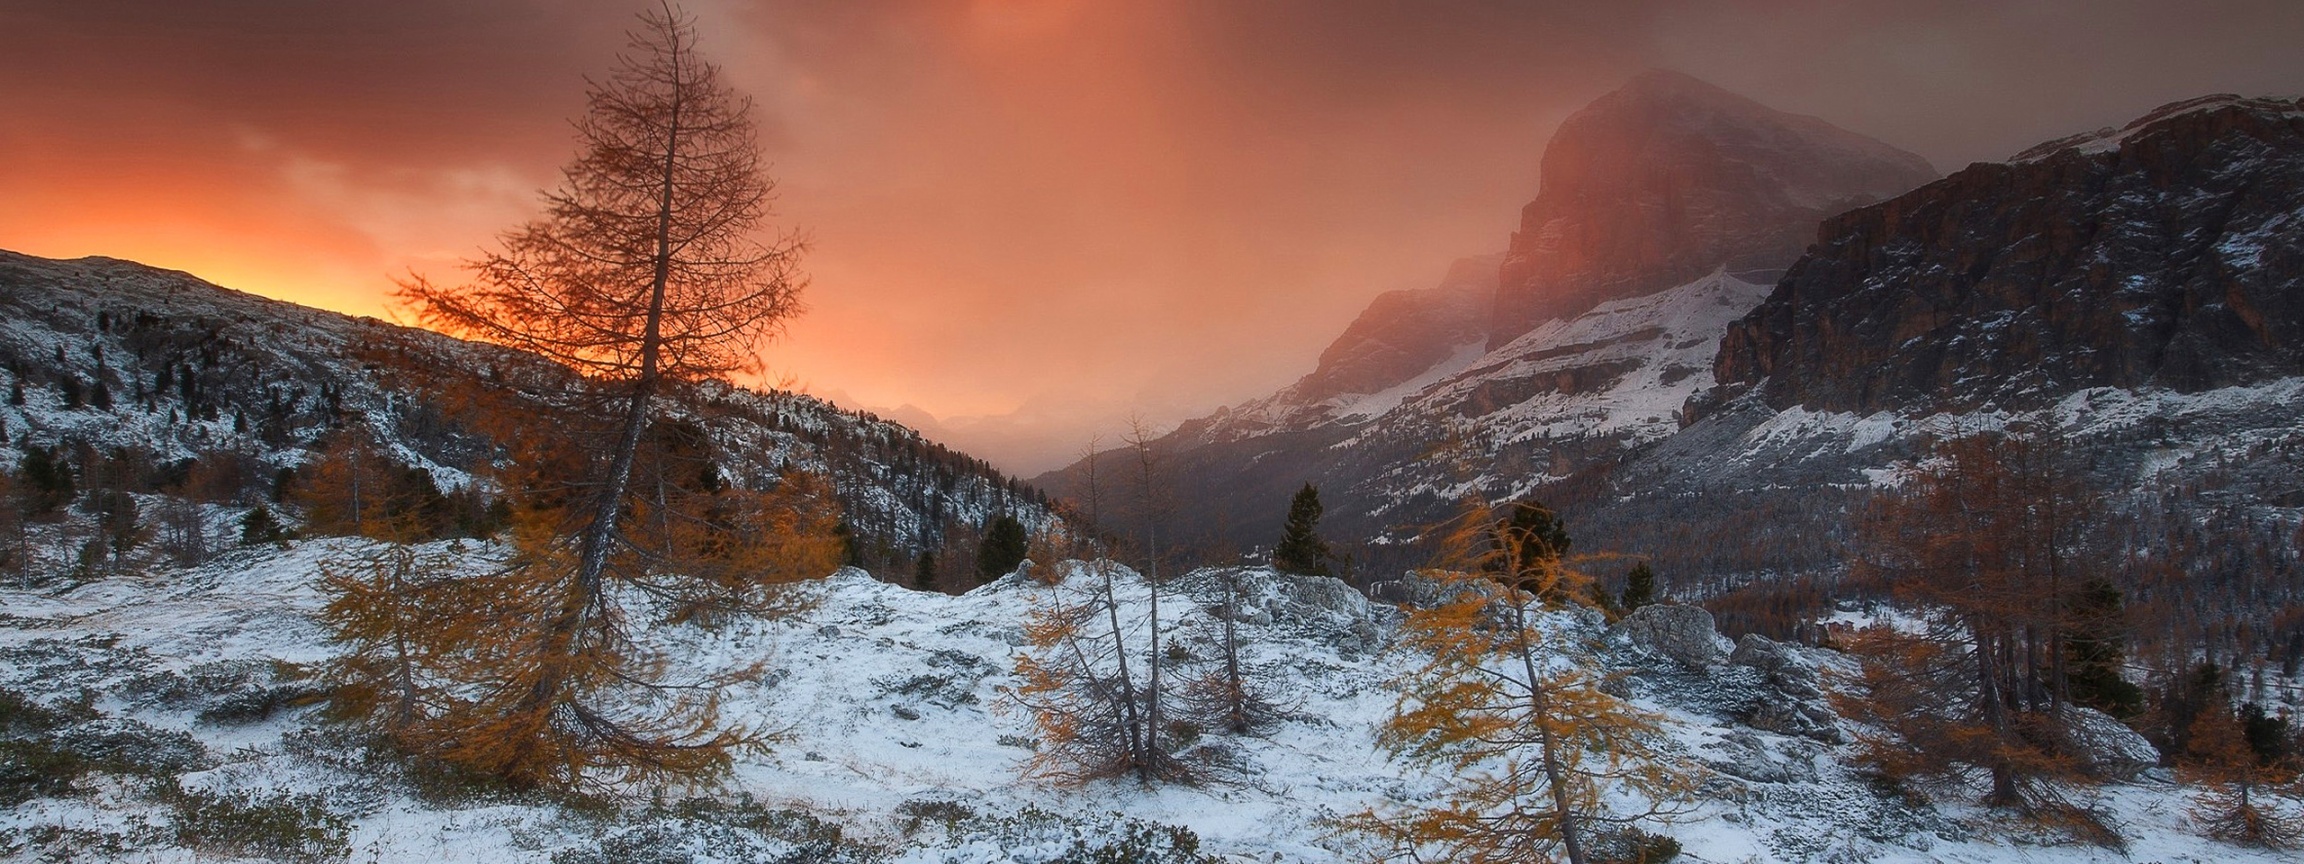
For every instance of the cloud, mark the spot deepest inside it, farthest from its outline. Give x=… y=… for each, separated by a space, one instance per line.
x=1028 y=212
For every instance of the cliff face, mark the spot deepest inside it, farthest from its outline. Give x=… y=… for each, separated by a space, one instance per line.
x=2168 y=253
x=1668 y=178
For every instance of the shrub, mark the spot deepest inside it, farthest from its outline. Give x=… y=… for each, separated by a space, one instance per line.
x=279 y=825
x=703 y=829
x=36 y=769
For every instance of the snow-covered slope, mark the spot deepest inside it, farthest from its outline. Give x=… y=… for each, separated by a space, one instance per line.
x=188 y=368
x=899 y=733
x=1564 y=397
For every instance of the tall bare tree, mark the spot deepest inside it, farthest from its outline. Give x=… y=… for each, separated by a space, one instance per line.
x=648 y=268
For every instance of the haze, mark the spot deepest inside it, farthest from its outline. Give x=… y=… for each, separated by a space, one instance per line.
x=1031 y=218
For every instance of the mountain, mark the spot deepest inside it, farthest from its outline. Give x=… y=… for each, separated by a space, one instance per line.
x=1667 y=178
x=2165 y=254
x=189 y=371
x=2134 y=297
x=1666 y=206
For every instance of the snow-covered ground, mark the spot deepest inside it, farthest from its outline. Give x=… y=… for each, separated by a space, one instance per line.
x=898 y=730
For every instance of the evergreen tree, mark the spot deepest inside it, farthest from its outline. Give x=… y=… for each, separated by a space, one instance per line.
x=1301 y=551
x=16 y=392
x=1005 y=546
x=258 y=527
x=851 y=546
x=924 y=571
x=2096 y=648
x=100 y=396
x=116 y=521
x=1639 y=588
x=1535 y=534
x=47 y=481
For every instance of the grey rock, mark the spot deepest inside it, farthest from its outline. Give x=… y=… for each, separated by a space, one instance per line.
x=1683 y=633
x=1746 y=756
x=2107 y=746
x=1783 y=666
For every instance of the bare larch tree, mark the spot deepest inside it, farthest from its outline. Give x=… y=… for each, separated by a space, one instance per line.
x=648 y=267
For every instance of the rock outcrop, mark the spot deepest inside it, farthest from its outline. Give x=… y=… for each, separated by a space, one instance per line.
x=1668 y=178
x=2165 y=254
x=1683 y=633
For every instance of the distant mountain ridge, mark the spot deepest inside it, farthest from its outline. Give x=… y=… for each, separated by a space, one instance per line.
x=268 y=379
x=1666 y=206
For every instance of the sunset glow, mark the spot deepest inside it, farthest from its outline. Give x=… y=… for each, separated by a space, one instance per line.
x=1029 y=218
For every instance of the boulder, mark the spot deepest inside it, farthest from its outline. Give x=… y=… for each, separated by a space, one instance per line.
x=1784 y=667
x=1683 y=633
x=2107 y=746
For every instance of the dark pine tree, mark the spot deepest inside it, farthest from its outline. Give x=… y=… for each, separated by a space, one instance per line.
x=16 y=392
x=258 y=527
x=1639 y=588
x=851 y=547
x=1301 y=551
x=924 y=571
x=48 y=481
x=2095 y=649
x=1004 y=547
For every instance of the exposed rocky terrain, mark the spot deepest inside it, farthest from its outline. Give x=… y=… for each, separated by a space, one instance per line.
x=2166 y=254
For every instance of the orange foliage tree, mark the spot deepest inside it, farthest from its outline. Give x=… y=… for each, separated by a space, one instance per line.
x=1506 y=701
x=646 y=271
x=2244 y=796
x=1978 y=542
x=398 y=613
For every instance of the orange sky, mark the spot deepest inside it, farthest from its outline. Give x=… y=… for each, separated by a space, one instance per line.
x=1030 y=217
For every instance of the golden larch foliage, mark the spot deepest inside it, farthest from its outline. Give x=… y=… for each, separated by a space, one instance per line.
x=1508 y=709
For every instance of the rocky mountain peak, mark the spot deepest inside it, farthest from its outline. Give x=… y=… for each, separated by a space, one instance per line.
x=2160 y=254
x=1668 y=178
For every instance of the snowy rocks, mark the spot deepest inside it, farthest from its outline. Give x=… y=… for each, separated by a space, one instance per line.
x=1268 y=597
x=1747 y=756
x=1683 y=633
x=2107 y=746
x=1785 y=669
x=1796 y=705
x=1320 y=597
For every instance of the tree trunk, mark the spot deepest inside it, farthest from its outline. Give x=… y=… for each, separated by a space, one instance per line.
x=1995 y=714
x=1152 y=675
x=1540 y=709
x=1235 y=694
x=1133 y=732
x=598 y=537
